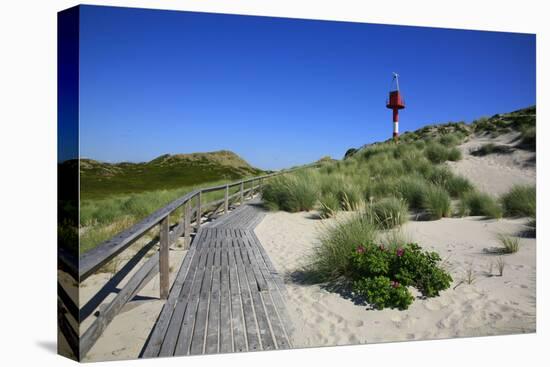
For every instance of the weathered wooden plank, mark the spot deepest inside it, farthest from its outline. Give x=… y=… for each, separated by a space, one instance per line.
x=275 y=309
x=275 y=285
x=261 y=317
x=226 y=340
x=134 y=285
x=186 y=331
x=67 y=330
x=199 y=331
x=248 y=307
x=187 y=224
x=199 y=210
x=226 y=200
x=164 y=260
x=167 y=342
x=261 y=282
x=68 y=302
x=212 y=334
x=237 y=315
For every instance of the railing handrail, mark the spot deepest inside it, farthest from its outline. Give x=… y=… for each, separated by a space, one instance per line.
x=94 y=259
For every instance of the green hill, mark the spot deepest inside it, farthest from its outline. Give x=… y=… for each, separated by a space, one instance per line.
x=100 y=180
x=522 y=122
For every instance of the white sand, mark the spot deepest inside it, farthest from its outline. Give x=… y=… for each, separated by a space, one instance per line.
x=496 y=173
x=491 y=305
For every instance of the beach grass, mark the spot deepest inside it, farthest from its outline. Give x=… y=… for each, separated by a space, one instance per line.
x=330 y=258
x=509 y=244
x=387 y=213
x=437 y=203
x=479 y=203
x=520 y=201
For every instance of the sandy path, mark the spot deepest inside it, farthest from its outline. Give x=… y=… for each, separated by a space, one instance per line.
x=491 y=305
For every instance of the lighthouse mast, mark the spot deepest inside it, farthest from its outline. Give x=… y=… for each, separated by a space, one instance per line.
x=395 y=102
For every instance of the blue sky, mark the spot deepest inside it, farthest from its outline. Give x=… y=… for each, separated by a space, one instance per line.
x=280 y=92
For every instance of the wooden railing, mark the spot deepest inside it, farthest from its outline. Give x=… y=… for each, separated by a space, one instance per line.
x=194 y=211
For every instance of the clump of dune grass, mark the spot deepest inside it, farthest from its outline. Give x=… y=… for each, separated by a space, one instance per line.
x=387 y=213
x=509 y=244
x=331 y=257
x=292 y=193
x=501 y=264
x=437 y=203
x=478 y=203
x=491 y=148
x=436 y=153
x=454 y=154
x=451 y=139
x=350 y=197
x=457 y=186
x=520 y=201
x=412 y=189
x=328 y=205
x=529 y=138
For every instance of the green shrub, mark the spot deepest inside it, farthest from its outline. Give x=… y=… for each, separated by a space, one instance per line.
x=387 y=213
x=478 y=203
x=414 y=267
x=437 y=203
x=381 y=292
x=377 y=269
x=520 y=201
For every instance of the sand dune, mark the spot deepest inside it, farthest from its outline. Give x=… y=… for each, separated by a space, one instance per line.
x=491 y=305
x=496 y=173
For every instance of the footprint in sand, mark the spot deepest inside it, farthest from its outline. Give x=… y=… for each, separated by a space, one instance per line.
x=432 y=306
x=358 y=323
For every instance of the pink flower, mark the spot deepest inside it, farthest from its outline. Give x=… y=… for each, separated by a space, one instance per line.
x=360 y=249
x=394 y=284
x=400 y=252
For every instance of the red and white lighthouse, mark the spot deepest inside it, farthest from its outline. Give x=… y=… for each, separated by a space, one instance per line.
x=395 y=102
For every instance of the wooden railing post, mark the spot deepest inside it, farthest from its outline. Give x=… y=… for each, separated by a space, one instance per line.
x=187 y=224
x=199 y=210
x=242 y=193
x=226 y=200
x=164 y=264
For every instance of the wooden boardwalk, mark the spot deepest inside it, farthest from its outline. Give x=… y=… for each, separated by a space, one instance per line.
x=227 y=296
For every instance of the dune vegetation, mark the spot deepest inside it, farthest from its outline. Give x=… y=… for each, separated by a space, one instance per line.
x=385 y=185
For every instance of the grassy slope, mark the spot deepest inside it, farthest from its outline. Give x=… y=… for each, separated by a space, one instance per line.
x=115 y=196
x=101 y=180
